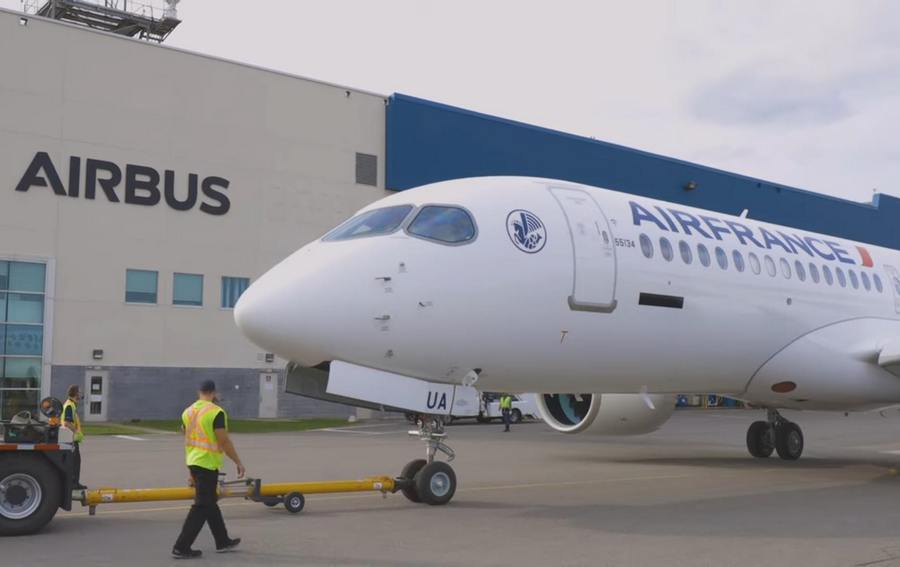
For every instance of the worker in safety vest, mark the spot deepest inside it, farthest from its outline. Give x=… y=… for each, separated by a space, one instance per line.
x=506 y=410
x=205 y=441
x=71 y=422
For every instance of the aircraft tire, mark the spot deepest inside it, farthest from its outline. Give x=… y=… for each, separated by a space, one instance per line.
x=436 y=483
x=759 y=440
x=789 y=441
x=409 y=473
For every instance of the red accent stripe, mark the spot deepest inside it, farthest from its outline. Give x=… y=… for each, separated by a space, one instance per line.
x=39 y=447
x=866 y=257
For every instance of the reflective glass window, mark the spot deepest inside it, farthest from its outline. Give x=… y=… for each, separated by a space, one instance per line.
x=26 y=276
x=841 y=278
x=4 y=275
x=785 y=268
x=878 y=285
x=800 y=270
x=814 y=272
x=371 y=223
x=23 y=340
x=24 y=307
x=14 y=401
x=754 y=263
x=770 y=266
x=187 y=289
x=826 y=273
x=445 y=224
x=140 y=286
x=687 y=254
x=665 y=248
x=867 y=283
x=646 y=246
x=22 y=368
x=721 y=258
x=232 y=288
x=738 y=259
x=854 y=280
x=703 y=255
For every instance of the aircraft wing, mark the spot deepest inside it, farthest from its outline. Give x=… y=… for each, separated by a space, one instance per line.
x=889 y=357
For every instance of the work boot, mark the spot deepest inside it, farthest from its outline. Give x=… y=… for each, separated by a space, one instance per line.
x=232 y=543
x=187 y=554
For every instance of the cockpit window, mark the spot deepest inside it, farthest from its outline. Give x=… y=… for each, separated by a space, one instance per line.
x=445 y=224
x=371 y=223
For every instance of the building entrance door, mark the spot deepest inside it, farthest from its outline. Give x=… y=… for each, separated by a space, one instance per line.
x=268 y=395
x=96 y=395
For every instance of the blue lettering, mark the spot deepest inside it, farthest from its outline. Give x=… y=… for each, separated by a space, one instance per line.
x=769 y=239
x=795 y=242
x=668 y=219
x=840 y=252
x=639 y=214
x=436 y=400
x=812 y=244
x=688 y=221
x=716 y=230
x=742 y=232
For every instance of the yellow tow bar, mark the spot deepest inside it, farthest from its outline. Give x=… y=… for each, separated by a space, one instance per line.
x=291 y=494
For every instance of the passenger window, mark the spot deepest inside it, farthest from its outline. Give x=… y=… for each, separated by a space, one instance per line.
x=686 y=254
x=854 y=281
x=814 y=272
x=444 y=224
x=754 y=263
x=738 y=261
x=801 y=271
x=646 y=246
x=865 y=281
x=785 y=268
x=721 y=258
x=703 y=254
x=770 y=266
x=665 y=248
x=841 y=278
x=371 y=223
x=826 y=273
x=878 y=285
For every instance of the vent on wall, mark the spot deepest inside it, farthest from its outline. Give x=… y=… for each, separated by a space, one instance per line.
x=367 y=169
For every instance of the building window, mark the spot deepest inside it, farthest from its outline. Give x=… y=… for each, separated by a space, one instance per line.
x=187 y=289
x=814 y=272
x=738 y=260
x=21 y=335
x=686 y=254
x=754 y=263
x=665 y=248
x=646 y=246
x=366 y=169
x=232 y=288
x=141 y=286
x=703 y=254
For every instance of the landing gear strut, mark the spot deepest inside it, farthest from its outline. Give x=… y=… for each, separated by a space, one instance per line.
x=775 y=434
x=426 y=480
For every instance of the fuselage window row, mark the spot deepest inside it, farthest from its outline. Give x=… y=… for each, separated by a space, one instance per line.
x=816 y=275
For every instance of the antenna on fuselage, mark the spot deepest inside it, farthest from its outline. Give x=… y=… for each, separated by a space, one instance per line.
x=744 y=213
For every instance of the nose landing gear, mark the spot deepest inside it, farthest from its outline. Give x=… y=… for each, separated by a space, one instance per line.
x=775 y=434
x=426 y=480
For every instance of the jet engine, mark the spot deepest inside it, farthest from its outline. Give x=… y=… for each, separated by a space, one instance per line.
x=606 y=414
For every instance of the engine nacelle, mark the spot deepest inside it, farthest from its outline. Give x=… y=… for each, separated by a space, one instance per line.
x=605 y=414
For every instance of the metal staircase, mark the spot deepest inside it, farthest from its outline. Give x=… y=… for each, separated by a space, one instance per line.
x=144 y=20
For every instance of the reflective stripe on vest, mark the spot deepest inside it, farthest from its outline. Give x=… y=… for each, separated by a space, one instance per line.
x=201 y=447
x=194 y=433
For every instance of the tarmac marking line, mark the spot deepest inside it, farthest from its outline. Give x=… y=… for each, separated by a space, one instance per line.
x=129 y=438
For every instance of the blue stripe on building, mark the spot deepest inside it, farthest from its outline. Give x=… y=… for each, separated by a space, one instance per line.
x=428 y=142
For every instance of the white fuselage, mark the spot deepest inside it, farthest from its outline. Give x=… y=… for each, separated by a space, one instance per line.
x=566 y=315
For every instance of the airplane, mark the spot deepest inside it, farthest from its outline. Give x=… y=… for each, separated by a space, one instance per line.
x=606 y=303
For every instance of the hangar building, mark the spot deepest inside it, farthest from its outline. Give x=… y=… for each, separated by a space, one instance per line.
x=142 y=189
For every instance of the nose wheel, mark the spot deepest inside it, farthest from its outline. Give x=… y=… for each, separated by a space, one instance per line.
x=428 y=481
x=776 y=434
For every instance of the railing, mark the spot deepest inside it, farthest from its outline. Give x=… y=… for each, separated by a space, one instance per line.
x=153 y=9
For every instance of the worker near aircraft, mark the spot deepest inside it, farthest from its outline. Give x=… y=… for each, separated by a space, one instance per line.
x=72 y=422
x=206 y=441
x=506 y=410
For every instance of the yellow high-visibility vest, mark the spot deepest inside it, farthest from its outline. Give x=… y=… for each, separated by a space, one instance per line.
x=505 y=402
x=201 y=447
x=79 y=435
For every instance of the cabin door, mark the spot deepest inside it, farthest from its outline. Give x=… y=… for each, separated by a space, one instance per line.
x=593 y=251
x=894 y=284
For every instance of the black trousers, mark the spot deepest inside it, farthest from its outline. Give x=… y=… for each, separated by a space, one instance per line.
x=204 y=511
x=76 y=465
x=507 y=417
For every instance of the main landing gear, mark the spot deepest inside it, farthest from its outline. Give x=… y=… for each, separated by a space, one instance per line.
x=426 y=480
x=775 y=434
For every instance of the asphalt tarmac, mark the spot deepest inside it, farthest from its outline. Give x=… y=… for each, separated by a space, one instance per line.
x=688 y=494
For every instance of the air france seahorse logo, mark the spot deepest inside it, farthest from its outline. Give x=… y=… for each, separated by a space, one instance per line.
x=526 y=231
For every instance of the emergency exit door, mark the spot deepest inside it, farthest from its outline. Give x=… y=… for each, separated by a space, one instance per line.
x=96 y=395
x=268 y=395
x=894 y=284
x=593 y=251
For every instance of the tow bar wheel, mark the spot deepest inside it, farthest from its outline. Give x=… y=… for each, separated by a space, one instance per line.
x=294 y=502
x=30 y=493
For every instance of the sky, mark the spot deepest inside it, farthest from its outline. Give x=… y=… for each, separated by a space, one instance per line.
x=801 y=93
